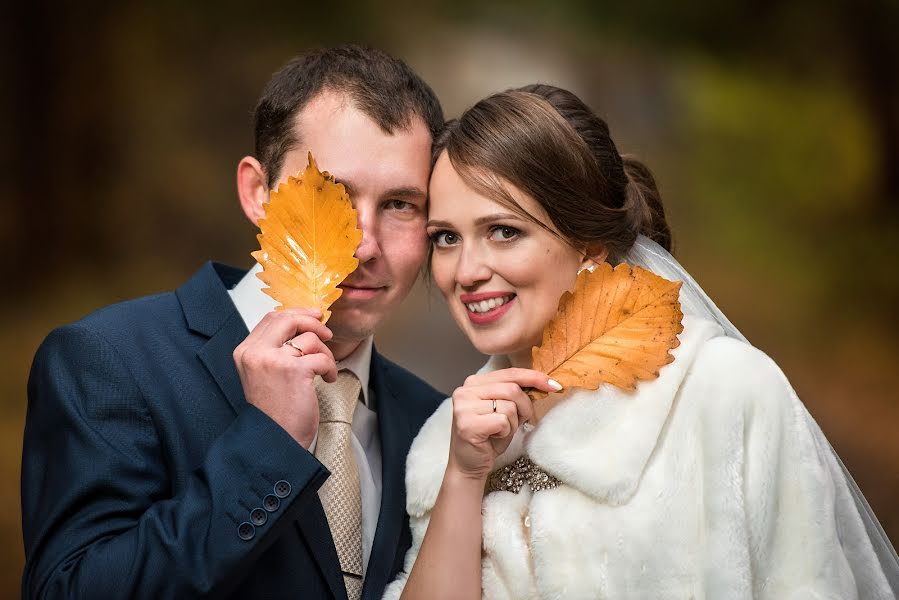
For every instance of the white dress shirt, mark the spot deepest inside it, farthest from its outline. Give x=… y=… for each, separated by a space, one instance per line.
x=253 y=304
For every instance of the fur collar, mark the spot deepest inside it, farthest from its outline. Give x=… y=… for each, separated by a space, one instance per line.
x=597 y=442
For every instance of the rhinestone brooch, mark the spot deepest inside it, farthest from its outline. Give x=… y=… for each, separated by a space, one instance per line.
x=511 y=477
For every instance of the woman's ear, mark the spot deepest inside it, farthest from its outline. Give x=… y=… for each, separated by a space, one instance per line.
x=252 y=187
x=594 y=255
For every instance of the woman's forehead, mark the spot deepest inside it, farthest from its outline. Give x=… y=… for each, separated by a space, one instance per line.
x=454 y=195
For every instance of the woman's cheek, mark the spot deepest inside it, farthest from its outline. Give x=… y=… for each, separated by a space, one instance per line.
x=442 y=275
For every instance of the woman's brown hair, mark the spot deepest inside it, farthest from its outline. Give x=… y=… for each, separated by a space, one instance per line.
x=548 y=144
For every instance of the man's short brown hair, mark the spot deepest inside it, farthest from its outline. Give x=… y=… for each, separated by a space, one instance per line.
x=381 y=86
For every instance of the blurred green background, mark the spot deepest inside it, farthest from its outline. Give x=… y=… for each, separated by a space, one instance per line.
x=772 y=127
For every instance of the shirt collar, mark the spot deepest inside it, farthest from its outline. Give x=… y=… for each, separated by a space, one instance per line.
x=252 y=304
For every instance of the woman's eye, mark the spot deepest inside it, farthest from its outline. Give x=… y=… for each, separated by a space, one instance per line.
x=502 y=233
x=442 y=239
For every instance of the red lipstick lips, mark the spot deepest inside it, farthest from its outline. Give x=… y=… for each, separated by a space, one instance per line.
x=490 y=315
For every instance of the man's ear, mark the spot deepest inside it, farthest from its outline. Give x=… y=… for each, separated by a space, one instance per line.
x=594 y=255
x=252 y=187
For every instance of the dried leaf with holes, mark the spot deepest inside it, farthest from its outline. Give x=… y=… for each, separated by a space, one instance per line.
x=618 y=326
x=308 y=239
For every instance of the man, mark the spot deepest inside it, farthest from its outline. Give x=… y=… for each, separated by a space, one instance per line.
x=175 y=445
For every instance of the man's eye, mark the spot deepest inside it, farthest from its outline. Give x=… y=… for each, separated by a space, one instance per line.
x=442 y=239
x=399 y=205
x=502 y=233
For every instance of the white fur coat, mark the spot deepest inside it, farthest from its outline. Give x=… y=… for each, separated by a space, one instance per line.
x=711 y=481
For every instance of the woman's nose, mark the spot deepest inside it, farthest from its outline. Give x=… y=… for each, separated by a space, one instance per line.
x=473 y=267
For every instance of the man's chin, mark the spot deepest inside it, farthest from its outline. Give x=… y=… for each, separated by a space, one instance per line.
x=352 y=325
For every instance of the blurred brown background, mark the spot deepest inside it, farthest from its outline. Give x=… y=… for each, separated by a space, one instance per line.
x=772 y=127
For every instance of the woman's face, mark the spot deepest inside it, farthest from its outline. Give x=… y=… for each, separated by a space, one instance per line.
x=502 y=275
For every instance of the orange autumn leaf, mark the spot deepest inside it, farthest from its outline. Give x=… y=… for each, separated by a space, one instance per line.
x=308 y=239
x=618 y=326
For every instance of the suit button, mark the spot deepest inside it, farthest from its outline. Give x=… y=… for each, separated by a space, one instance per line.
x=282 y=489
x=258 y=517
x=271 y=503
x=246 y=531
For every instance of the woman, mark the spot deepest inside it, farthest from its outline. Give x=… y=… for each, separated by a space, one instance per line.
x=711 y=481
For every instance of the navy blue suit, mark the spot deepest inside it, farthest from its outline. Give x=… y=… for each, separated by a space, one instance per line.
x=142 y=459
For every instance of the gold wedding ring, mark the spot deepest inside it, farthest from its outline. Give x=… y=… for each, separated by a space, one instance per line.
x=293 y=345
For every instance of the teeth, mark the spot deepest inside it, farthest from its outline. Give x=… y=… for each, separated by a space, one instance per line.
x=487 y=305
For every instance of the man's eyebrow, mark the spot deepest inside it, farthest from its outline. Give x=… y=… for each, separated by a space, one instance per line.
x=400 y=192
x=479 y=221
x=405 y=192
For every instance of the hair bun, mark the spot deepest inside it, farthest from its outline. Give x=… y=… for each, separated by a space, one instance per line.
x=643 y=202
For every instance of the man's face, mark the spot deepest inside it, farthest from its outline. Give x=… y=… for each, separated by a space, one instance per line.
x=386 y=176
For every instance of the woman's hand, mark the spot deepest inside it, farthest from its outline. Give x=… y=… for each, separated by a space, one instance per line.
x=480 y=434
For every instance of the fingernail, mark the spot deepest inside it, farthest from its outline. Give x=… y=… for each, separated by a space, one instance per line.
x=554 y=385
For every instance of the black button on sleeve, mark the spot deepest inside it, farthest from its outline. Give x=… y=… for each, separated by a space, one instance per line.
x=246 y=531
x=258 y=517
x=282 y=489
x=271 y=503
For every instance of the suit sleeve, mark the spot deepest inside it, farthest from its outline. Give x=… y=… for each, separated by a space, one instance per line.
x=99 y=517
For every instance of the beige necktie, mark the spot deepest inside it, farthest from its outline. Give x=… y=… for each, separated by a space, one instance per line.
x=340 y=494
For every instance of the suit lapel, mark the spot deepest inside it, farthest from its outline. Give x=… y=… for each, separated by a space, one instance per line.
x=217 y=356
x=396 y=437
x=313 y=526
x=209 y=311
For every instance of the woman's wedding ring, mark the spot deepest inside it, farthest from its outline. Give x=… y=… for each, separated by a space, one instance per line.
x=494 y=406
x=293 y=345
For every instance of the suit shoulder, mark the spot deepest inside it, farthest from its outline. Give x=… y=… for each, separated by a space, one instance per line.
x=139 y=312
x=123 y=325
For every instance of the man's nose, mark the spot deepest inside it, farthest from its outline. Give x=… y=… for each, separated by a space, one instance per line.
x=370 y=247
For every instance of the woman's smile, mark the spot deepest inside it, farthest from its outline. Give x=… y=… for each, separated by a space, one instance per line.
x=487 y=307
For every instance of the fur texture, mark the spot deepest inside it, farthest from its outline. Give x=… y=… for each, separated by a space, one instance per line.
x=711 y=481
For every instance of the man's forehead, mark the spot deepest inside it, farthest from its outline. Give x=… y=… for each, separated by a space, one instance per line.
x=357 y=152
x=331 y=103
x=328 y=101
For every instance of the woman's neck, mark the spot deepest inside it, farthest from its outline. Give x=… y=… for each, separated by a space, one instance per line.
x=521 y=359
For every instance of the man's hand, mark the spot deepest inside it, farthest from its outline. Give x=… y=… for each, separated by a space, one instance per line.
x=277 y=377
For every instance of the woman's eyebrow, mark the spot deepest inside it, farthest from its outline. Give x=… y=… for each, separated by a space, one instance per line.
x=480 y=220
x=497 y=217
x=444 y=224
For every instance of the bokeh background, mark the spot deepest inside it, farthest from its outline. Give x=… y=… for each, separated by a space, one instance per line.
x=772 y=127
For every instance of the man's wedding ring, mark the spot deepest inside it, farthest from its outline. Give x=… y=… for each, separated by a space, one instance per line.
x=293 y=345
x=494 y=406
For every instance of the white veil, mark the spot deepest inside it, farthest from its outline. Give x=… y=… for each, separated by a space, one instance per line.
x=694 y=301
